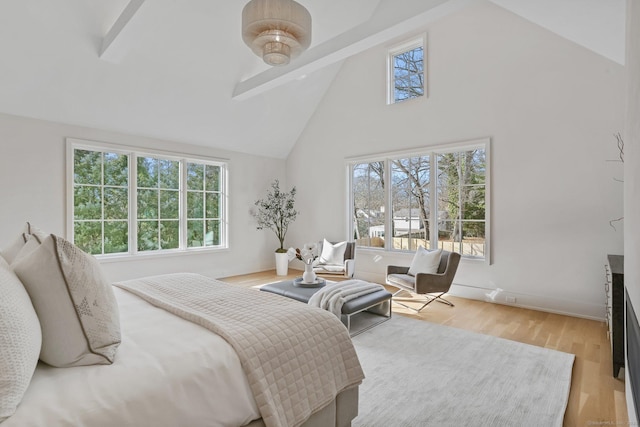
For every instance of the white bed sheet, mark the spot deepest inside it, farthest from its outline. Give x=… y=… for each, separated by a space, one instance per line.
x=167 y=372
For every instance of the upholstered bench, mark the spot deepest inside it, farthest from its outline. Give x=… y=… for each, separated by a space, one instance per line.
x=377 y=303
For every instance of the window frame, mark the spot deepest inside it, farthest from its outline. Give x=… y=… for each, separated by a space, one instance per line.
x=432 y=152
x=397 y=50
x=73 y=144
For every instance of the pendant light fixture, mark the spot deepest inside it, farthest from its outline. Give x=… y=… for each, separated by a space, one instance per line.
x=276 y=30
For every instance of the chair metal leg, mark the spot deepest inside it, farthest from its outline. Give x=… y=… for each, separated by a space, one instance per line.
x=429 y=300
x=444 y=301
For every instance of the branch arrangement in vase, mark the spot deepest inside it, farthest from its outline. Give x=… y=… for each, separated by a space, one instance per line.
x=276 y=211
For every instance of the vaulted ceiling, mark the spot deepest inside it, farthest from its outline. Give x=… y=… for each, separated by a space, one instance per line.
x=178 y=69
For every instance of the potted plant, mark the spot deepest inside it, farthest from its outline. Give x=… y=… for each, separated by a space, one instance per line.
x=275 y=212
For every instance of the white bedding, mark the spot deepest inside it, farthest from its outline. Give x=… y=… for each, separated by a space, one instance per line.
x=161 y=355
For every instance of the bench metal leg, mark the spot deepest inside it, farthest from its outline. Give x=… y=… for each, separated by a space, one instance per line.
x=386 y=316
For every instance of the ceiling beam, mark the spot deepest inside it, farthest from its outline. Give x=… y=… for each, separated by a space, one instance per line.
x=392 y=19
x=113 y=43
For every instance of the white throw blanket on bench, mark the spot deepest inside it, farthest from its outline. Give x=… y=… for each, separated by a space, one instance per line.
x=332 y=297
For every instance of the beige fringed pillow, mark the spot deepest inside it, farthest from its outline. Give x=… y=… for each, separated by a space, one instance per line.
x=20 y=340
x=76 y=306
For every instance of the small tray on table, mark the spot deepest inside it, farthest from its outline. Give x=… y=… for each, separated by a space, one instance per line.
x=318 y=283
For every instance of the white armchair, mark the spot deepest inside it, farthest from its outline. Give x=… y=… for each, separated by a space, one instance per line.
x=333 y=260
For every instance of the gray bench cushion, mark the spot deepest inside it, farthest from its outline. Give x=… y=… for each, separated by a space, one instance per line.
x=287 y=289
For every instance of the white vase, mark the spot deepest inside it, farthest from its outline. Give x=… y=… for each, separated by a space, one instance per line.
x=282 y=264
x=308 y=276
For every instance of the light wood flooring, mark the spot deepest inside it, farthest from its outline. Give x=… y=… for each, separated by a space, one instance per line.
x=596 y=398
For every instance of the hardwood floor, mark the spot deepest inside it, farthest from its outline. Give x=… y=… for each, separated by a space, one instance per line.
x=596 y=398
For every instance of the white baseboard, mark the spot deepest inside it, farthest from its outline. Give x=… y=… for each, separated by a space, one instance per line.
x=528 y=301
x=532 y=302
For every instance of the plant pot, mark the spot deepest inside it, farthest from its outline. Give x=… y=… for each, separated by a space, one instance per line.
x=282 y=264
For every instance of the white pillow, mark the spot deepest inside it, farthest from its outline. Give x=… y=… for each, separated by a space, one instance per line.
x=425 y=261
x=20 y=341
x=333 y=254
x=36 y=232
x=9 y=253
x=76 y=306
x=33 y=242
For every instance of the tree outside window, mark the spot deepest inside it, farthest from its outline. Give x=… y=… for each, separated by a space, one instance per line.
x=103 y=193
x=203 y=205
x=407 y=71
x=437 y=199
x=368 y=203
x=408 y=74
x=158 y=193
x=101 y=201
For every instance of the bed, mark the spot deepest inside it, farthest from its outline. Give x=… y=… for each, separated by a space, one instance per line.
x=171 y=368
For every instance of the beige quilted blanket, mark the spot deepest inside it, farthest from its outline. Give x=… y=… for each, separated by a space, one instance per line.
x=297 y=358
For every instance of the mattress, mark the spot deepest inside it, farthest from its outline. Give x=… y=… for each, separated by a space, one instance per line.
x=168 y=372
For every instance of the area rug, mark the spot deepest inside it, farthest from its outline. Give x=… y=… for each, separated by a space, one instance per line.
x=424 y=374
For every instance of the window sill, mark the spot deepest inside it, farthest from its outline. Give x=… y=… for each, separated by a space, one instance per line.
x=409 y=254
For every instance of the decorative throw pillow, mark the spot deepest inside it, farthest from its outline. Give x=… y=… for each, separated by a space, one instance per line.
x=33 y=242
x=36 y=232
x=9 y=253
x=425 y=261
x=332 y=254
x=20 y=341
x=76 y=306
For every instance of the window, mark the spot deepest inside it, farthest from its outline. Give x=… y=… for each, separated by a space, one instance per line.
x=410 y=179
x=406 y=71
x=158 y=204
x=203 y=205
x=435 y=198
x=126 y=202
x=368 y=203
x=101 y=201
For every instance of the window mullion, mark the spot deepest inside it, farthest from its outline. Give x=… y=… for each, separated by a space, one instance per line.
x=433 y=200
x=388 y=218
x=350 y=211
x=368 y=205
x=204 y=205
x=182 y=206
x=222 y=206
x=159 y=189
x=460 y=206
x=133 y=203
x=102 y=202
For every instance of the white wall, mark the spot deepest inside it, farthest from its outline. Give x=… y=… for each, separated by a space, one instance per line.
x=632 y=173
x=32 y=170
x=550 y=108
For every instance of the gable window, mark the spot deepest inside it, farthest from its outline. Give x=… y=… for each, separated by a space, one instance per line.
x=435 y=198
x=406 y=71
x=128 y=202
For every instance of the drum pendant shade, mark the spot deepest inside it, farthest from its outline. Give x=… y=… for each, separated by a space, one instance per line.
x=276 y=30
